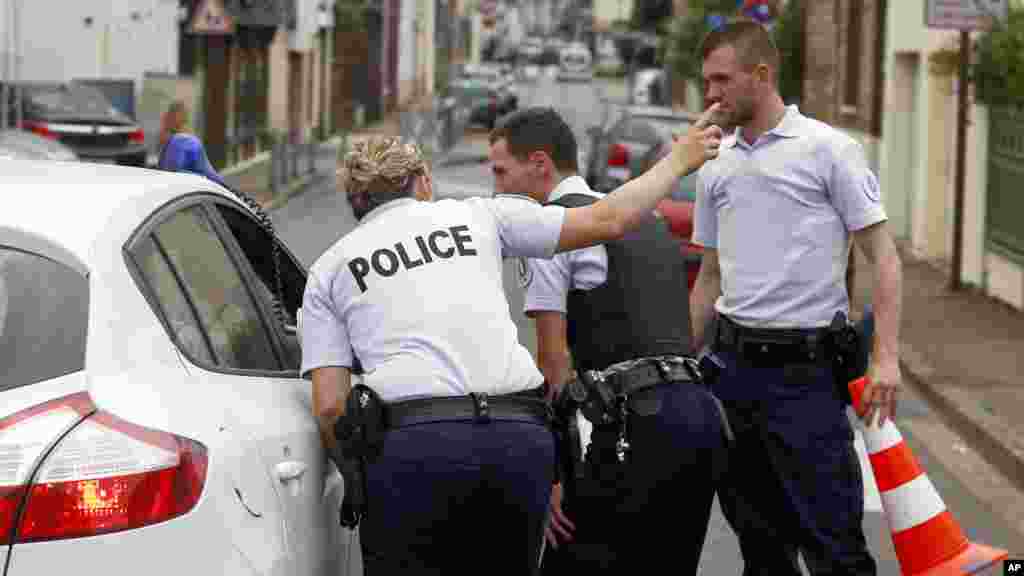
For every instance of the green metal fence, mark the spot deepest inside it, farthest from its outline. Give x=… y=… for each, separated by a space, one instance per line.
x=1005 y=207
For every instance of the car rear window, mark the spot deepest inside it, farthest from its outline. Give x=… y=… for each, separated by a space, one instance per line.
x=43 y=319
x=69 y=99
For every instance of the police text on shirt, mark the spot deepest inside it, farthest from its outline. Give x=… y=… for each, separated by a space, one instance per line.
x=386 y=262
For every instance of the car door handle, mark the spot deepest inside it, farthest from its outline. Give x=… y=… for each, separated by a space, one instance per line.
x=290 y=470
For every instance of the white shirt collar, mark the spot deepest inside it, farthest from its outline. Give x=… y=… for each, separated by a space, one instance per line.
x=574 y=184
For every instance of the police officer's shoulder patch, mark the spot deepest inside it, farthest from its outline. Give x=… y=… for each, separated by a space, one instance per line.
x=524 y=272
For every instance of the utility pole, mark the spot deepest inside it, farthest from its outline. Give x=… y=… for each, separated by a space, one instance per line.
x=5 y=48
x=16 y=36
x=961 y=164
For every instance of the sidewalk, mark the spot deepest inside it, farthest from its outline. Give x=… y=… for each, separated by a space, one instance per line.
x=965 y=352
x=254 y=179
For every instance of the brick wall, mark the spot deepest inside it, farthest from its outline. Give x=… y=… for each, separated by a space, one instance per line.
x=821 y=60
x=826 y=71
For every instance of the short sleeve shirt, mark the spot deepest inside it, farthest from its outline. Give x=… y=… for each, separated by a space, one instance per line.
x=779 y=212
x=415 y=292
x=547 y=282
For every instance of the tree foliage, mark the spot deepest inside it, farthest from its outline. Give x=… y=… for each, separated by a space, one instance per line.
x=685 y=35
x=998 y=68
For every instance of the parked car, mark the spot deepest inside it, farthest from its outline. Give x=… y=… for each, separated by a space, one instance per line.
x=619 y=148
x=630 y=143
x=530 y=49
x=678 y=212
x=649 y=87
x=497 y=78
x=575 y=63
x=150 y=397
x=482 y=100
x=24 y=145
x=83 y=119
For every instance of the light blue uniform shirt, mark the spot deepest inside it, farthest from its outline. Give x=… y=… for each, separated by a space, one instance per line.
x=546 y=283
x=779 y=212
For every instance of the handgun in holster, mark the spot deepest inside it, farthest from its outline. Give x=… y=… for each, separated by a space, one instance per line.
x=711 y=367
x=359 y=434
x=567 y=433
x=845 y=344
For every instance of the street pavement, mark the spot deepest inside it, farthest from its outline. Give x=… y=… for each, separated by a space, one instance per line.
x=311 y=222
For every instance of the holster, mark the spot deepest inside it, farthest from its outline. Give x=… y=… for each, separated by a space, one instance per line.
x=567 y=433
x=845 y=344
x=359 y=434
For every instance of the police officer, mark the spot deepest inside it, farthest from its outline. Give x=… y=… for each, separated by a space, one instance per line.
x=449 y=422
x=608 y=304
x=775 y=214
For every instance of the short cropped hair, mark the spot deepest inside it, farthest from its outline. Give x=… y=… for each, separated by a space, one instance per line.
x=752 y=41
x=538 y=129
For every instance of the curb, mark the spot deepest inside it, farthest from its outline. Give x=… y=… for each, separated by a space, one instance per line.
x=996 y=442
x=297 y=188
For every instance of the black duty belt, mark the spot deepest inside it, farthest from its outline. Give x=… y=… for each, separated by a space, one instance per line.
x=782 y=344
x=480 y=408
x=643 y=373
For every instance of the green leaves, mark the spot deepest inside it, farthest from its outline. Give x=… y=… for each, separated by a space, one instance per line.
x=998 y=68
x=684 y=36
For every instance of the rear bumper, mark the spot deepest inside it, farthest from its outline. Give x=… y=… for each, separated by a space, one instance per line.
x=131 y=155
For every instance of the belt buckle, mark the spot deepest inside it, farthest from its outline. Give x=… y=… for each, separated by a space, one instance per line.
x=481 y=407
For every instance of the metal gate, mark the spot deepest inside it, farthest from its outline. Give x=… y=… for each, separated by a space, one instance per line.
x=1005 y=194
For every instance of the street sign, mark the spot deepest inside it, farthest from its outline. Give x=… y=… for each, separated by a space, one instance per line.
x=211 y=18
x=964 y=14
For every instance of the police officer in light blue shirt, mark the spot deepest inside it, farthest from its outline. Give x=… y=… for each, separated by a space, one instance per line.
x=775 y=214
x=620 y=308
x=460 y=464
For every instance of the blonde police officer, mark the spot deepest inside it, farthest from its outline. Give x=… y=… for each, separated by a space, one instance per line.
x=414 y=292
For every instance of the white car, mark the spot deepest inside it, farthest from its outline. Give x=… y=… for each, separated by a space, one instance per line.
x=646 y=86
x=150 y=395
x=575 y=63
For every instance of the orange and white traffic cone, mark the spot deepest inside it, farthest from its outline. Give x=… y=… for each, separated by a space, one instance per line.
x=928 y=541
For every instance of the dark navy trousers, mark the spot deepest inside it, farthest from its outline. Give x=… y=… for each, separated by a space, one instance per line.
x=650 y=514
x=458 y=497
x=793 y=483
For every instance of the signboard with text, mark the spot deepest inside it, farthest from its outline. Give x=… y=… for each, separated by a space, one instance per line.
x=964 y=14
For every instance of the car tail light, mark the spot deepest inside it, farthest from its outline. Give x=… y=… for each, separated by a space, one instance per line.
x=138 y=136
x=618 y=155
x=105 y=475
x=40 y=128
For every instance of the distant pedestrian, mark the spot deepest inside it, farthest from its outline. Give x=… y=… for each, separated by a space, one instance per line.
x=174 y=121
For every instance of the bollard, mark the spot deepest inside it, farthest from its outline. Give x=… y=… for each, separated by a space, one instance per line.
x=275 y=169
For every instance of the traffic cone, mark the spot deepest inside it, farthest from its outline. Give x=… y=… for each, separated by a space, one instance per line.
x=928 y=541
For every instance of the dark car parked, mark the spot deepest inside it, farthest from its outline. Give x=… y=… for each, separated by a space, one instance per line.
x=620 y=150
x=632 y=140
x=483 y=101
x=81 y=118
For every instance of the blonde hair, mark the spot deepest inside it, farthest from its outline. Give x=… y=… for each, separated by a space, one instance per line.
x=380 y=165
